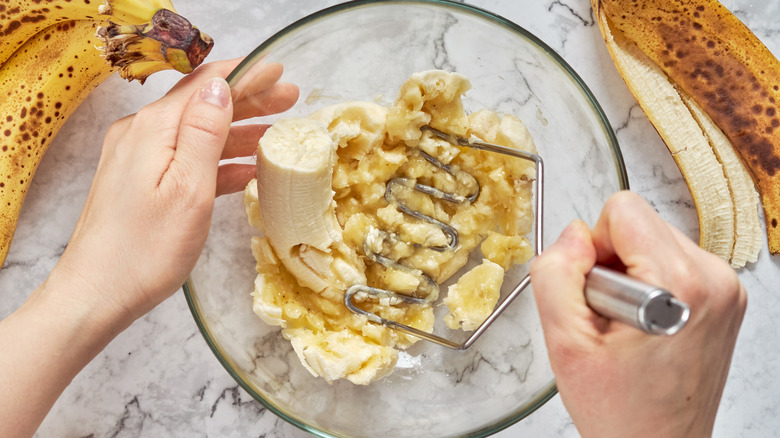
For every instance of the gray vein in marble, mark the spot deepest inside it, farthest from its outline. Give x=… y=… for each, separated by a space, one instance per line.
x=578 y=16
x=441 y=59
x=627 y=121
x=131 y=423
x=234 y=394
x=526 y=95
x=201 y=393
x=572 y=18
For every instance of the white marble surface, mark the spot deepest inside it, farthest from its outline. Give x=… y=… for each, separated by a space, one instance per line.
x=159 y=378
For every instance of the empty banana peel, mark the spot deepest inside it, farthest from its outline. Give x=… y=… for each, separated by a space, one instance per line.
x=709 y=87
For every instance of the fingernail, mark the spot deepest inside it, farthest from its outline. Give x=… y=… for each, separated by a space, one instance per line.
x=216 y=92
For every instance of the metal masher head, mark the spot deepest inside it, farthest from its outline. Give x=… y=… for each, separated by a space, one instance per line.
x=428 y=290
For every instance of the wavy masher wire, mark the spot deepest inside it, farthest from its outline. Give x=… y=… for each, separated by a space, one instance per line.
x=609 y=293
x=394 y=297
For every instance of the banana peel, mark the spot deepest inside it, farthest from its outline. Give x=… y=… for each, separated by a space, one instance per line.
x=705 y=83
x=748 y=237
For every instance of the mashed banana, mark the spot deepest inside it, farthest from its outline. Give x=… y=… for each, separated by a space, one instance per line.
x=373 y=145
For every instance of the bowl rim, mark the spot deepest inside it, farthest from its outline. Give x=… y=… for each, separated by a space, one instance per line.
x=249 y=60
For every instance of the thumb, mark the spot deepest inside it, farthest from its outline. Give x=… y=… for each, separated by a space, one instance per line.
x=203 y=130
x=558 y=275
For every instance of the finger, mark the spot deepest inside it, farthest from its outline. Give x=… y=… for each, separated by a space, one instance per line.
x=166 y=111
x=204 y=128
x=189 y=83
x=558 y=277
x=232 y=178
x=631 y=231
x=689 y=246
x=718 y=283
x=280 y=97
x=257 y=78
x=242 y=140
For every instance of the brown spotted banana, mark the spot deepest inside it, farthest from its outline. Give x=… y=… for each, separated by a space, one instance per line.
x=50 y=63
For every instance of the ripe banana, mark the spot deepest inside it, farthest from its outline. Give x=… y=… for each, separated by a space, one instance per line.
x=20 y=20
x=56 y=63
x=41 y=84
x=700 y=141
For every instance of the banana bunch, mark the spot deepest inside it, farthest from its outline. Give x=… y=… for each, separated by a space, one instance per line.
x=54 y=53
x=711 y=89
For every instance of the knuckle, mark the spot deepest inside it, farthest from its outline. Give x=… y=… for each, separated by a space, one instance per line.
x=730 y=293
x=679 y=275
x=154 y=115
x=148 y=112
x=684 y=273
x=115 y=131
x=685 y=276
x=190 y=196
x=119 y=126
x=203 y=126
x=710 y=281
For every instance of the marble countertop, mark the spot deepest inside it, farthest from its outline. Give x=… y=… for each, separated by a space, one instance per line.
x=132 y=389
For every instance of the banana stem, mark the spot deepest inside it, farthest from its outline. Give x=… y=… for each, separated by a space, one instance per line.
x=168 y=40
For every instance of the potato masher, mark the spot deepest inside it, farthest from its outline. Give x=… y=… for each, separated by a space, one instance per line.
x=609 y=293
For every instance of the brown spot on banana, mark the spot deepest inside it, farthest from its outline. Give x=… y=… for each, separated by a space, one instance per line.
x=719 y=62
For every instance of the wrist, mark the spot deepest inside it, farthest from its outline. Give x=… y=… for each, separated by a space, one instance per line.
x=58 y=330
x=79 y=308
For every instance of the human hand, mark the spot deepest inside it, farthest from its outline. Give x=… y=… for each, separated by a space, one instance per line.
x=615 y=380
x=148 y=212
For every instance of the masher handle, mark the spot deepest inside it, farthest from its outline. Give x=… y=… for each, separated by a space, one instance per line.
x=651 y=309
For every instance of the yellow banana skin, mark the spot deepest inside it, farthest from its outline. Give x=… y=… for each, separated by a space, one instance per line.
x=719 y=62
x=20 y=20
x=24 y=18
x=42 y=84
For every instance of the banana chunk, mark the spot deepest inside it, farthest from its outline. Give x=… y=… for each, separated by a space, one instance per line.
x=339 y=355
x=471 y=300
x=430 y=98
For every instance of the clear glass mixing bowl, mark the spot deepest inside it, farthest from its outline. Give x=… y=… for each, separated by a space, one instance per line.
x=364 y=51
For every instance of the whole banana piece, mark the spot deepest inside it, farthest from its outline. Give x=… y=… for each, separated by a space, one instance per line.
x=723 y=83
x=54 y=70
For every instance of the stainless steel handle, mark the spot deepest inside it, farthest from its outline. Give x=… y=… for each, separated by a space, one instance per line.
x=649 y=308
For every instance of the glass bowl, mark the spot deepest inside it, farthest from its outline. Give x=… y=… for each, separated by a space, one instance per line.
x=364 y=51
